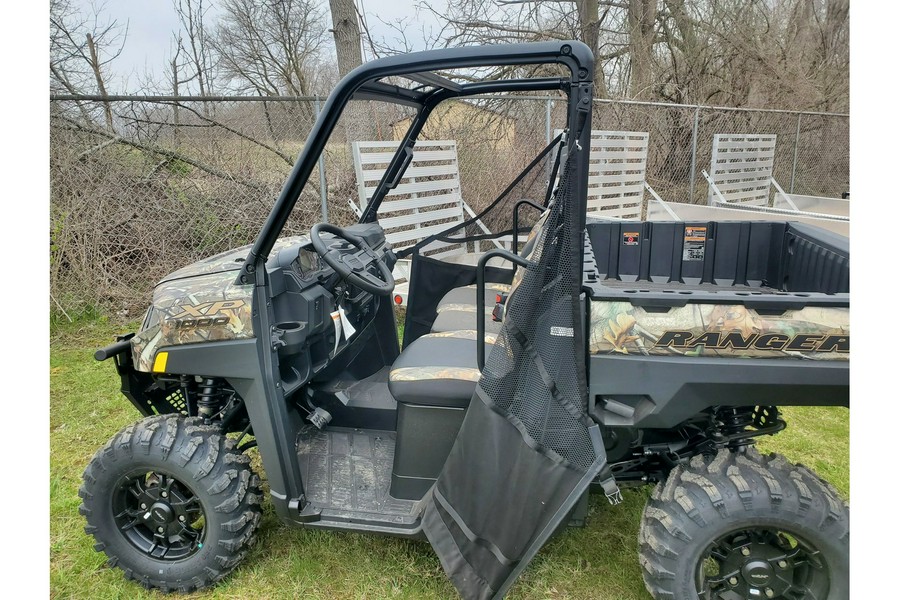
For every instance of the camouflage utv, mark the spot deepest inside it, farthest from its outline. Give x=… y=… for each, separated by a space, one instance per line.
x=591 y=356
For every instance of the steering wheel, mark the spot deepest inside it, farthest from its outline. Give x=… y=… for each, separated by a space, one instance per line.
x=351 y=265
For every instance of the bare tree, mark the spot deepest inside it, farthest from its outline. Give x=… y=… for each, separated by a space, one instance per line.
x=789 y=54
x=81 y=50
x=270 y=47
x=792 y=54
x=195 y=44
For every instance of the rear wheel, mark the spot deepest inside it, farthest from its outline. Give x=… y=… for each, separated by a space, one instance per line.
x=740 y=525
x=172 y=503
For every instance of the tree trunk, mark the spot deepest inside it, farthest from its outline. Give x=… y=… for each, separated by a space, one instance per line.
x=101 y=88
x=641 y=38
x=360 y=124
x=589 y=19
x=346 y=35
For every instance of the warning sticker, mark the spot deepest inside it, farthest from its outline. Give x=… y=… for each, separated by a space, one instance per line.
x=632 y=238
x=694 y=243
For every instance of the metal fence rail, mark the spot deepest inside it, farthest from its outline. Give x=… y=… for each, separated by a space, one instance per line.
x=141 y=185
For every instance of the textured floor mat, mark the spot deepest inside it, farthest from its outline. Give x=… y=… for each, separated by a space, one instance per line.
x=349 y=471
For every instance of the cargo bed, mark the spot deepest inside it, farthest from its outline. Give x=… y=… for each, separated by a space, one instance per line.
x=758 y=311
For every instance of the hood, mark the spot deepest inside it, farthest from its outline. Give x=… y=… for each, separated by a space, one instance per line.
x=230 y=260
x=200 y=303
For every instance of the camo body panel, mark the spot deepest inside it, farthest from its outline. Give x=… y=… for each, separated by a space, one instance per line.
x=230 y=260
x=161 y=329
x=621 y=328
x=200 y=287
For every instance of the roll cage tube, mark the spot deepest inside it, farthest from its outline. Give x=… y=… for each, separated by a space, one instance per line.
x=361 y=83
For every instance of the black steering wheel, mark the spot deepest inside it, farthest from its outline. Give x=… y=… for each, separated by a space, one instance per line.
x=352 y=263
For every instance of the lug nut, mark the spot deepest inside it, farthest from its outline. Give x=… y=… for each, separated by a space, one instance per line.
x=181 y=518
x=733 y=581
x=165 y=494
x=782 y=564
x=143 y=506
x=745 y=551
x=160 y=529
x=770 y=593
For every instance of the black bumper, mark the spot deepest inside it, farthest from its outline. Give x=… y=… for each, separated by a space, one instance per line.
x=150 y=396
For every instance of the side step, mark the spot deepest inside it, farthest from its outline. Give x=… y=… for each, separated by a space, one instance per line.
x=347 y=476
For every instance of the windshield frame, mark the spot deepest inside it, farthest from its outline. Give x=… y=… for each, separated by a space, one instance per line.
x=363 y=83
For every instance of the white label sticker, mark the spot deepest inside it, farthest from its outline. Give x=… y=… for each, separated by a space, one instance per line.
x=562 y=331
x=349 y=329
x=336 y=319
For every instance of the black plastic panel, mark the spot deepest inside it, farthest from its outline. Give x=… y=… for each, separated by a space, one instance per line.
x=425 y=435
x=661 y=392
x=671 y=264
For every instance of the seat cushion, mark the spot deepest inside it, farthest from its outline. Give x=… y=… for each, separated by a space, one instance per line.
x=468 y=294
x=462 y=317
x=438 y=369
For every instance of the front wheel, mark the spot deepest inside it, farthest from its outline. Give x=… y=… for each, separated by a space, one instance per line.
x=740 y=525
x=172 y=503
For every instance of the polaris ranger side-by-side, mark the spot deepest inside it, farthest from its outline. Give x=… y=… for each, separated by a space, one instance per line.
x=590 y=356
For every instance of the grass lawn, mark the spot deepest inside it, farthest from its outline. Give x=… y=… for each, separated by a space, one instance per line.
x=599 y=561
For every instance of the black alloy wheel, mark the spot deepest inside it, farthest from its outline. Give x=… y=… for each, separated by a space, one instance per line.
x=762 y=563
x=160 y=515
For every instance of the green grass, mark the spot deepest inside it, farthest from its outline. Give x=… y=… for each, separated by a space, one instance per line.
x=599 y=561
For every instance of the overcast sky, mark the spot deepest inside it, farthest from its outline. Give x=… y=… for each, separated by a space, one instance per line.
x=151 y=23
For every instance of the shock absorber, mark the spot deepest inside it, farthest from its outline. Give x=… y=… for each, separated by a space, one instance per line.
x=210 y=397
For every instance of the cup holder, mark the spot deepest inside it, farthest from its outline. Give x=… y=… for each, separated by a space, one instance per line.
x=292 y=335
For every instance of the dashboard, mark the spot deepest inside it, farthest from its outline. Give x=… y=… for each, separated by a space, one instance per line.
x=306 y=294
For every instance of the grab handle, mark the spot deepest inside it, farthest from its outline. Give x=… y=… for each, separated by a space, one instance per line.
x=479 y=301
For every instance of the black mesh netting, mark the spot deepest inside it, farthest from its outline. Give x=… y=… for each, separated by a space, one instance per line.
x=526 y=450
x=533 y=372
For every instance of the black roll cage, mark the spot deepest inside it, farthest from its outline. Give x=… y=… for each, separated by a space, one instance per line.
x=363 y=84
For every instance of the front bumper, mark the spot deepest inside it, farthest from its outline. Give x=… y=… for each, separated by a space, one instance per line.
x=149 y=395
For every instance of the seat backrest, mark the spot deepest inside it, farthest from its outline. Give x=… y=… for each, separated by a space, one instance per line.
x=427 y=199
x=617 y=173
x=741 y=168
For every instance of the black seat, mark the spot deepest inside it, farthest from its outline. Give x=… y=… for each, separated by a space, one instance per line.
x=467 y=296
x=456 y=310
x=462 y=317
x=438 y=369
x=432 y=381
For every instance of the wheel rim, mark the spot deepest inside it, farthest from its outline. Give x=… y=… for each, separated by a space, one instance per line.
x=159 y=515
x=762 y=563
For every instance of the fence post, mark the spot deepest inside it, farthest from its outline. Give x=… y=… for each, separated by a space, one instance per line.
x=323 y=190
x=547 y=118
x=694 y=153
x=547 y=113
x=796 y=148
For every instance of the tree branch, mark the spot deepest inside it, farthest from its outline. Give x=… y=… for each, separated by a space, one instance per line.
x=171 y=154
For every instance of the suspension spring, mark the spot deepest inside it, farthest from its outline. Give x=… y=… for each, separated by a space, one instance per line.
x=210 y=397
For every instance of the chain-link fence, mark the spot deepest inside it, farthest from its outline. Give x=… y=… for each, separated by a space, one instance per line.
x=143 y=185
